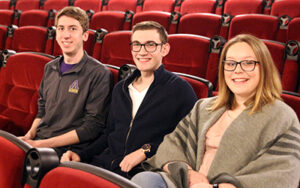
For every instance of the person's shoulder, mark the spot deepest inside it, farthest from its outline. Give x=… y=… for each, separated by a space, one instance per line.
x=205 y=102
x=279 y=107
x=96 y=66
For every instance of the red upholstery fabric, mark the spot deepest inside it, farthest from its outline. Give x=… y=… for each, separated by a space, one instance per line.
x=159 y=5
x=94 y=5
x=211 y=24
x=290 y=75
x=188 y=54
x=121 y=5
x=34 y=17
x=293 y=29
x=293 y=101
x=286 y=7
x=114 y=71
x=164 y=18
x=191 y=6
x=116 y=49
x=11 y=161
x=201 y=87
x=261 y=26
x=277 y=51
x=24 y=5
x=29 y=38
x=55 y=4
x=109 y=20
x=6 y=17
x=18 y=99
x=62 y=177
x=236 y=7
x=4 y=4
x=2 y=37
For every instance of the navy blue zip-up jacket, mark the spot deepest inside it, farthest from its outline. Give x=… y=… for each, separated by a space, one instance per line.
x=168 y=99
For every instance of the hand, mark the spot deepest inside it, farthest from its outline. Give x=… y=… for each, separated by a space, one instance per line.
x=70 y=156
x=196 y=178
x=132 y=159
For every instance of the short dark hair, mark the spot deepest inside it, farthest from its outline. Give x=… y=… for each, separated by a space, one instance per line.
x=148 y=25
x=76 y=13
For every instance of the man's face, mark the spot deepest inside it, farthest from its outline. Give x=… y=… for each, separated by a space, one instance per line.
x=70 y=36
x=150 y=55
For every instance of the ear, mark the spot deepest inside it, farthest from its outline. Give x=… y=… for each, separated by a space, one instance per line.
x=85 y=36
x=165 y=49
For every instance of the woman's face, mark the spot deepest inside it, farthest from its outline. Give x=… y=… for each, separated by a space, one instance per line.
x=242 y=83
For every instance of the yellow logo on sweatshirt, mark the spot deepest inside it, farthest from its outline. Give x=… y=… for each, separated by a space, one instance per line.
x=74 y=88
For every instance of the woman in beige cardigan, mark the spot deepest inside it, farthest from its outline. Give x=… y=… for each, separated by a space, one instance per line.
x=245 y=137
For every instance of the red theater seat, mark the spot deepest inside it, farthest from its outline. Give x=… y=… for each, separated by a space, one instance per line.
x=12 y=157
x=94 y=5
x=210 y=24
x=114 y=71
x=19 y=91
x=159 y=5
x=109 y=20
x=293 y=100
x=164 y=18
x=6 y=17
x=24 y=5
x=5 y=4
x=294 y=29
x=121 y=5
x=202 y=87
x=192 y=6
x=259 y=25
x=55 y=4
x=188 y=54
x=76 y=174
x=236 y=7
x=2 y=37
x=286 y=7
x=116 y=48
x=34 y=17
x=29 y=38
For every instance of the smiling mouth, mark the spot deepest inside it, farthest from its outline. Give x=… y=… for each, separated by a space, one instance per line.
x=143 y=59
x=240 y=80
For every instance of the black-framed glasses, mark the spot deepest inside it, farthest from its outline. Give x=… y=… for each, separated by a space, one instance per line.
x=246 y=65
x=148 y=46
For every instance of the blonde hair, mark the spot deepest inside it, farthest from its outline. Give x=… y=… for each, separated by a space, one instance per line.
x=269 y=87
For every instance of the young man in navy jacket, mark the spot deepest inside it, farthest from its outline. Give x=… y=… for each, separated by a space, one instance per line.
x=145 y=107
x=74 y=93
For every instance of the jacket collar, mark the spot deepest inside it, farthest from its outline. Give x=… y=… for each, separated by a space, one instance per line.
x=75 y=69
x=158 y=76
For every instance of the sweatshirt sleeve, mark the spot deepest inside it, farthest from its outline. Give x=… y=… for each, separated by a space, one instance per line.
x=41 y=100
x=97 y=104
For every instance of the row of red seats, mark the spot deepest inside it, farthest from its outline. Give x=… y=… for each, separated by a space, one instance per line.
x=269 y=27
x=24 y=166
x=233 y=7
x=202 y=59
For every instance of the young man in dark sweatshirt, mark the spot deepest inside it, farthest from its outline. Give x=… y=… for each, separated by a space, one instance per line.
x=145 y=107
x=74 y=93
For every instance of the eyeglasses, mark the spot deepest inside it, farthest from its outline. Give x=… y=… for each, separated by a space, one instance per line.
x=246 y=65
x=148 y=46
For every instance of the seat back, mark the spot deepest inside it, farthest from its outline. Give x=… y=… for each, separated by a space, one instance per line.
x=34 y=17
x=94 y=5
x=158 y=5
x=286 y=7
x=5 y=4
x=293 y=100
x=188 y=54
x=202 y=87
x=114 y=71
x=3 y=34
x=259 y=25
x=116 y=49
x=121 y=5
x=109 y=20
x=236 y=7
x=12 y=157
x=55 y=4
x=6 y=17
x=192 y=6
x=29 y=38
x=212 y=24
x=293 y=30
x=18 y=98
x=25 y=5
x=76 y=174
